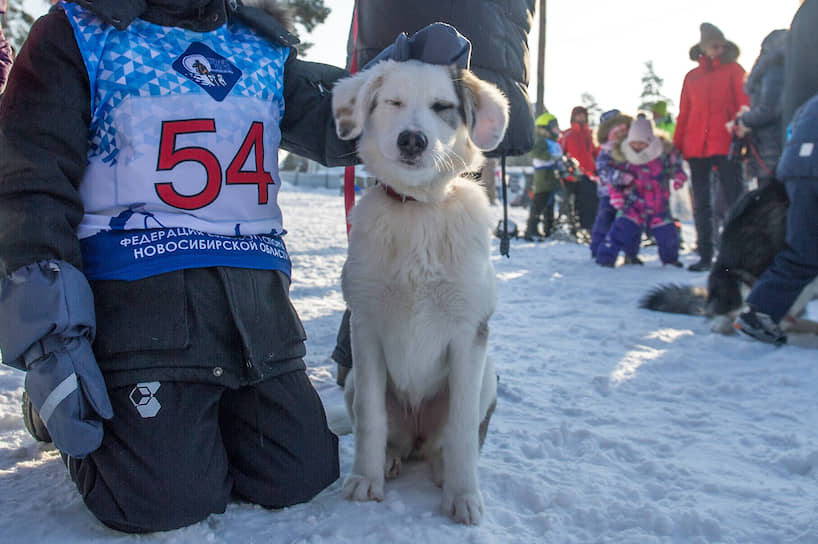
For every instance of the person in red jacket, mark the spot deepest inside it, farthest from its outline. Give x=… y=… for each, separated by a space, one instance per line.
x=579 y=188
x=712 y=95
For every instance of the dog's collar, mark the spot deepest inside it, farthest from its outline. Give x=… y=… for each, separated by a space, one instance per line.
x=394 y=194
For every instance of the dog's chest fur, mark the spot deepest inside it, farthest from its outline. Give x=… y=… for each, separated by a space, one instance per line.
x=421 y=273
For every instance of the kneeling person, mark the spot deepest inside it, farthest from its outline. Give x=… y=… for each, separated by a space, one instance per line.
x=147 y=301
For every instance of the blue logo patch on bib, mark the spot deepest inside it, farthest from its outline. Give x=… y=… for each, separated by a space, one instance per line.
x=209 y=70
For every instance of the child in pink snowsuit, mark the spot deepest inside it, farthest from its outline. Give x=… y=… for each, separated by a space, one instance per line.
x=640 y=174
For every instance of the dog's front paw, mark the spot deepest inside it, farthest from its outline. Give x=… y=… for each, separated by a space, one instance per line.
x=466 y=507
x=722 y=324
x=362 y=488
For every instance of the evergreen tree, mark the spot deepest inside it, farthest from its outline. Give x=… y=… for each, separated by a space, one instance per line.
x=589 y=103
x=17 y=20
x=308 y=14
x=651 y=88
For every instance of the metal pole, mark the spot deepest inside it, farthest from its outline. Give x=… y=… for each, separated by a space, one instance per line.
x=540 y=108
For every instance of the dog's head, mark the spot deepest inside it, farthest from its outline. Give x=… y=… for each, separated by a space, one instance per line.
x=420 y=125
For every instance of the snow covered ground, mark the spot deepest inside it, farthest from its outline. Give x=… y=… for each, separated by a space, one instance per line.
x=613 y=424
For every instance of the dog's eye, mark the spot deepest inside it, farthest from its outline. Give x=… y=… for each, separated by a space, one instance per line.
x=396 y=103
x=438 y=107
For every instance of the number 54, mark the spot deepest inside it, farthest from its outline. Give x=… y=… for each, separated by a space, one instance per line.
x=170 y=156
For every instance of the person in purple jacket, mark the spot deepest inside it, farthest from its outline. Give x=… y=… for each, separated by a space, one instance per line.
x=613 y=128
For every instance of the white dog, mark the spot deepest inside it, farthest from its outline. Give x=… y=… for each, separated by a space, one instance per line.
x=418 y=277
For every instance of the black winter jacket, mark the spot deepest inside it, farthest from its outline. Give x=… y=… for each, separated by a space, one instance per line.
x=498 y=31
x=801 y=65
x=44 y=123
x=764 y=86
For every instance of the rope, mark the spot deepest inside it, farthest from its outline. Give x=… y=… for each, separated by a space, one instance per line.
x=349 y=171
x=758 y=159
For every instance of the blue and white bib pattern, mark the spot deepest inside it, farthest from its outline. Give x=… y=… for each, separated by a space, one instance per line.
x=184 y=138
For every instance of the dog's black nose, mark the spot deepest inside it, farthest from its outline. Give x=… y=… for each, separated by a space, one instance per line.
x=412 y=143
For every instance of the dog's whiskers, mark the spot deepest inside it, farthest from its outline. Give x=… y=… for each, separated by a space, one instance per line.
x=446 y=157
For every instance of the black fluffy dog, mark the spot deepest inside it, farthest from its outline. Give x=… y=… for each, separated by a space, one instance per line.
x=753 y=233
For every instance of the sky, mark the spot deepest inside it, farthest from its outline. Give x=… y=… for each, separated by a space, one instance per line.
x=600 y=46
x=614 y=425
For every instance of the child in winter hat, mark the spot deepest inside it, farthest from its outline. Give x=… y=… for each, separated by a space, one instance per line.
x=641 y=144
x=612 y=124
x=546 y=157
x=613 y=127
x=642 y=166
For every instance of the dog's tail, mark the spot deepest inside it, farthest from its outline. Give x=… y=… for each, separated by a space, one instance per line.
x=676 y=299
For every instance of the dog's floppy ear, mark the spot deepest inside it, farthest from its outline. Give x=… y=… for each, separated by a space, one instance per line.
x=486 y=109
x=352 y=99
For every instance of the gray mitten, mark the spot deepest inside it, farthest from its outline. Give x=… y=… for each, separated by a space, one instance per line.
x=51 y=339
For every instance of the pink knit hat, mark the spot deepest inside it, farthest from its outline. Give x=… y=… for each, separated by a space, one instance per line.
x=641 y=130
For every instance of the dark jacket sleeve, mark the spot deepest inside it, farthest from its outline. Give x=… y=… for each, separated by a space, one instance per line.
x=801 y=64
x=767 y=109
x=308 y=128
x=44 y=119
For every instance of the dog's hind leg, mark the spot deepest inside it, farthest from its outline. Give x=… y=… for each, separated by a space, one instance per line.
x=488 y=399
x=484 y=425
x=435 y=461
x=400 y=440
x=393 y=464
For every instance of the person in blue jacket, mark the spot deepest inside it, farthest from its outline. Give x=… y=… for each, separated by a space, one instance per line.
x=547 y=159
x=796 y=266
x=144 y=278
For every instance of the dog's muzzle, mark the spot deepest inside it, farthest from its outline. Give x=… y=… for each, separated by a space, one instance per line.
x=411 y=143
